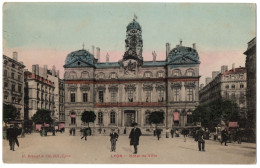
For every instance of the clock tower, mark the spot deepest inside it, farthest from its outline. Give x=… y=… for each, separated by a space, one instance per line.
x=133 y=47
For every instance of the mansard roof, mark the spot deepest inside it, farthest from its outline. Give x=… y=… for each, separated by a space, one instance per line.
x=80 y=58
x=183 y=55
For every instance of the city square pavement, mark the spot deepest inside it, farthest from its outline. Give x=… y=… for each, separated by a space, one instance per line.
x=63 y=148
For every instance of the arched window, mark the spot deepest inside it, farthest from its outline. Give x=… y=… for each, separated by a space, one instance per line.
x=113 y=75
x=100 y=118
x=190 y=72
x=112 y=117
x=176 y=72
x=241 y=86
x=84 y=75
x=148 y=74
x=233 y=86
x=72 y=75
x=101 y=75
x=227 y=86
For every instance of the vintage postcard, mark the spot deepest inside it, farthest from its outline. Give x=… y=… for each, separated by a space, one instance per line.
x=127 y=83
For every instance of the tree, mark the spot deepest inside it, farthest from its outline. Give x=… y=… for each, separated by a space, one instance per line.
x=10 y=112
x=88 y=116
x=215 y=111
x=42 y=116
x=156 y=117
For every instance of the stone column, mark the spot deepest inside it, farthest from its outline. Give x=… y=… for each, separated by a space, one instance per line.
x=123 y=118
x=141 y=118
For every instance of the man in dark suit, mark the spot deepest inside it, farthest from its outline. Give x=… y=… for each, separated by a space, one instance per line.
x=113 y=138
x=134 y=136
x=12 y=134
x=201 y=141
x=224 y=136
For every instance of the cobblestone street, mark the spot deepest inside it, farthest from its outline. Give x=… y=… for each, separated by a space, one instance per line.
x=63 y=148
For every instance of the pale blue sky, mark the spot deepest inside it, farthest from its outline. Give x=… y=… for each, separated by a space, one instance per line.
x=221 y=31
x=67 y=25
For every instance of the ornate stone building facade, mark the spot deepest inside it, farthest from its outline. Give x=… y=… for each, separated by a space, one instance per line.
x=39 y=93
x=127 y=91
x=13 y=83
x=228 y=85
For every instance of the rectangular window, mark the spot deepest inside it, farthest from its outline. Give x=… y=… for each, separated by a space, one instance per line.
x=189 y=94
x=19 y=77
x=6 y=84
x=161 y=96
x=20 y=88
x=13 y=87
x=113 y=96
x=101 y=96
x=5 y=73
x=100 y=118
x=72 y=97
x=112 y=118
x=113 y=75
x=148 y=96
x=12 y=75
x=176 y=94
x=130 y=96
x=160 y=74
x=85 y=97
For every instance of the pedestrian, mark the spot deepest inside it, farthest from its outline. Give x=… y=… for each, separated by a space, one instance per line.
x=70 y=131
x=167 y=132
x=74 y=131
x=154 y=132
x=125 y=130
x=118 y=131
x=85 y=134
x=104 y=131
x=113 y=138
x=239 y=135
x=201 y=141
x=185 y=133
x=12 y=134
x=158 y=133
x=134 y=137
x=53 y=131
x=224 y=136
x=172 y=132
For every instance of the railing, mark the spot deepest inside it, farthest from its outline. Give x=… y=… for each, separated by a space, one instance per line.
x=126 y=104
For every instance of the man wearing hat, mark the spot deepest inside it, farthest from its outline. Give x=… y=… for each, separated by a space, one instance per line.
x=134 y=136
x=113 y=138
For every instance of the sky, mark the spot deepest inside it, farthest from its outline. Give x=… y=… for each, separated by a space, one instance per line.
x=45 y=33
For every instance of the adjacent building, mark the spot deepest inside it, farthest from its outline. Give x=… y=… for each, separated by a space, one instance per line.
x=13 y=83
x=230 y=84
x=127 y=91
x=39 y=93
x=251 y=83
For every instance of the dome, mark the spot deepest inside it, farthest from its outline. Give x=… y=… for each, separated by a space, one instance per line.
x=80 y=55
x=133 y=25
x=182 y=54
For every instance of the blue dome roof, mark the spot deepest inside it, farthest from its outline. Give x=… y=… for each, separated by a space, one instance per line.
x=133 y=25
x=182 y=55
x=80 y=55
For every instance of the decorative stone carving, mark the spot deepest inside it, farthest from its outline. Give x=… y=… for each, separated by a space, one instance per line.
x=72 y=88
x=130 y=87
x=176 y=85
x=189 y=84
x=84 y=87
x=113 y=88
x=148 y=87
x=101 y=87
x=160 y=87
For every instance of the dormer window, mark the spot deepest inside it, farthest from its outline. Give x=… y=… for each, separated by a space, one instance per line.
x=176 y=73
x=147 y=74
x=189 y=72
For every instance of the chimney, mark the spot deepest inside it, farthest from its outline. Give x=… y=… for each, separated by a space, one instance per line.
x=53 y=71
x=214 y=74
x=58 y=73
x=45 y=69
x=34 y=69
x=98 y=53
x=201 y=86
x=37 y=69
x=93 y=50
x=233 y=67
x=154 y=56
x=15 y=56
x=194 y=46
x=167 y=49
x=181 y=42
x=107 y=58
x=224 y=68
x=208 y=79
